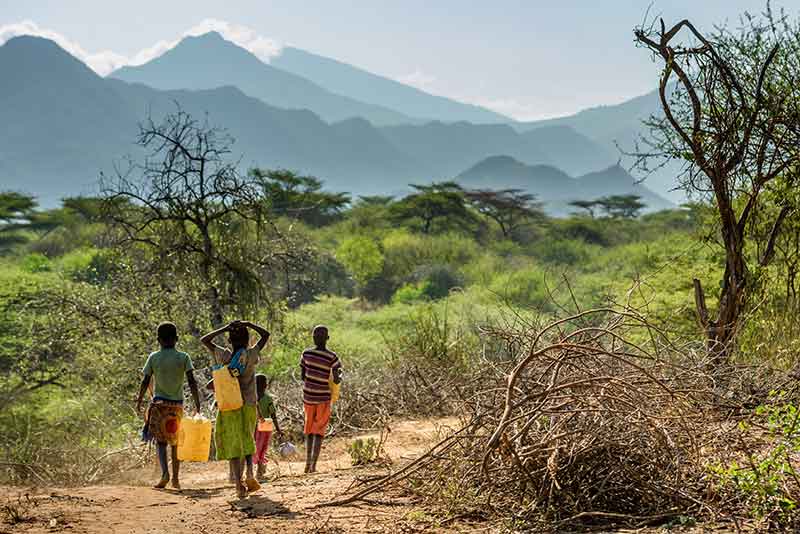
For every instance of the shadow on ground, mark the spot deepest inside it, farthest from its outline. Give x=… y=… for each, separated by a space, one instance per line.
x=260 y=506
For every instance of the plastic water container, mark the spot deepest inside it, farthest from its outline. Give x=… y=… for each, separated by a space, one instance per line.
x=287 y=449
x=265 y=425
x=194 y=439
x=334 y=389
x=226 y=390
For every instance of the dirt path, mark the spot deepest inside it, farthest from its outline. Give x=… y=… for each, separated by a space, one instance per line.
x=207 y=504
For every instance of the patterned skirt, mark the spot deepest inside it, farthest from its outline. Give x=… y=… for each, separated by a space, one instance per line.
x=233 y=433
x=162 y=421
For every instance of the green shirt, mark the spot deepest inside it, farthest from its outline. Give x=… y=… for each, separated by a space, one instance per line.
x=266 y=406
x=168 y=367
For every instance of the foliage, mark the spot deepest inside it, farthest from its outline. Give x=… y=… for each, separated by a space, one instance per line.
x=437 y=207
x=364 y=451
x=511 y=209
x=766 y=480
x=287 y=193
x=362 y=257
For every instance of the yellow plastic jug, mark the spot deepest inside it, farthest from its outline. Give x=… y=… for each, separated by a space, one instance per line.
x=334 y=388
x=194 y=439
x=226 y=390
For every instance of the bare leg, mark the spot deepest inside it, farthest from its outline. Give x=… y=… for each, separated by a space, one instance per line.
x=309 y=451
x=241 y=490
x=176 y=468
x=162 y=460
x=231 y=472
x=251 y=483
x=315 y=455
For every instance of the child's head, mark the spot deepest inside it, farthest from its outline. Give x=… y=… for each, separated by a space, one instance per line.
x=239 y=337
x=261 y=384
x=320 y=335
x=167 y=335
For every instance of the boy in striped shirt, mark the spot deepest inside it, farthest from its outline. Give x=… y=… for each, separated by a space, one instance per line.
x=317 y=366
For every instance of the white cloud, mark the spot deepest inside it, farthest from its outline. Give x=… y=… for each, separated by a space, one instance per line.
x=107 y=61
x=418 y=79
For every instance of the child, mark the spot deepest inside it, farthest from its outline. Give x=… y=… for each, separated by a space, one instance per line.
x=162 y=420
x=317 y=366
x=234 y=429
x=266 y=411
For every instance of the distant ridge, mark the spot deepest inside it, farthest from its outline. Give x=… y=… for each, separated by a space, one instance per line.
x=209 y=61
x=68 y=125
x=365 y=86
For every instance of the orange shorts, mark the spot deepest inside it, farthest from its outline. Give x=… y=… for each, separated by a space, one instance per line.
x=317 y=417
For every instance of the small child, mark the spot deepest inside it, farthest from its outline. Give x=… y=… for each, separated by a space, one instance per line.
x=266 y=414
x=163 y=417
x=318 y=366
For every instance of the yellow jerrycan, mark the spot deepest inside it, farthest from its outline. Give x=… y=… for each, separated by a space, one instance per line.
x=194 y=439
x=226 y=390
x=334 y=388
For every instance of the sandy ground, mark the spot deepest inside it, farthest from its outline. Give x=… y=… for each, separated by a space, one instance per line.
x=207 y=503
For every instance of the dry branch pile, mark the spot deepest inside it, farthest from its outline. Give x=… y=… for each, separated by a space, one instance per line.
x=598 y=420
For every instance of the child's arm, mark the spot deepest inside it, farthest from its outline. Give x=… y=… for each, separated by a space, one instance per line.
x=193 y=388
x=275 y=422
x=263 y=332
x=208 y=339
x=142 y=389
x=337 y=375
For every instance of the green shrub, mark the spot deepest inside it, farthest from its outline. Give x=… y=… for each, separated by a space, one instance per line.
x=363 y=452
x=362 y=258
x=410 y=293
x=523 y=287
x=561 y=251
x=437 y=280
x=36 y=263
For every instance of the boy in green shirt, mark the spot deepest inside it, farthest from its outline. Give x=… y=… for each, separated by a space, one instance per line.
x=163 y=417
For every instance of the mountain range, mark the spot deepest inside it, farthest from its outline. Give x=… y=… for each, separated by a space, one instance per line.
x=66 y=124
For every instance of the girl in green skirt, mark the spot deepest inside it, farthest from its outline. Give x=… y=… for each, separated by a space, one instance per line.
x=234 y=429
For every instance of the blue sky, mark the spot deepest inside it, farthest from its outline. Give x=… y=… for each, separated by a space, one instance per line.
x=529 y=59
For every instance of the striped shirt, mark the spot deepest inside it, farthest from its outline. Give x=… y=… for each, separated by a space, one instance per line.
x=318 y=364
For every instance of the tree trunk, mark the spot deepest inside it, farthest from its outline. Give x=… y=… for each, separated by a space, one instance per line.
x=720 y=332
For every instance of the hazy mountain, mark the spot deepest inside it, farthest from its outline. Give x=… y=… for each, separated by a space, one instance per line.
x=70 y=124
x=616 y=129
x=445 y=149
x=570 y=150
x=364 y=86
x=555 y=187
x=209 y=61
x=59 y=120
x=65 y=124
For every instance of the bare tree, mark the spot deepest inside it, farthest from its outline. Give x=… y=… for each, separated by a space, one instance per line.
x=197 y=217
x=731 y=104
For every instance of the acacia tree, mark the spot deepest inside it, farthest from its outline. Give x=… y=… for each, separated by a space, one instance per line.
x=438 y=202
x=732 y=117
x=588 y=205
x=195 y=216
x=511 y=209
x=291 y=194
x=621 y=206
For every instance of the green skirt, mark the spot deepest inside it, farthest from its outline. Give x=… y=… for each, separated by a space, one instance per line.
x=233 y=433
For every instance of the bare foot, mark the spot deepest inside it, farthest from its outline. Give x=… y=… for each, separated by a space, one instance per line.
x=241 y=490
x=252 y=485
x=162 y=483
x=176 y=484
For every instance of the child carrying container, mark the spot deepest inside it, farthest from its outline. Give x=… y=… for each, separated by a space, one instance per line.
x=267 y=422
x=234 y=427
